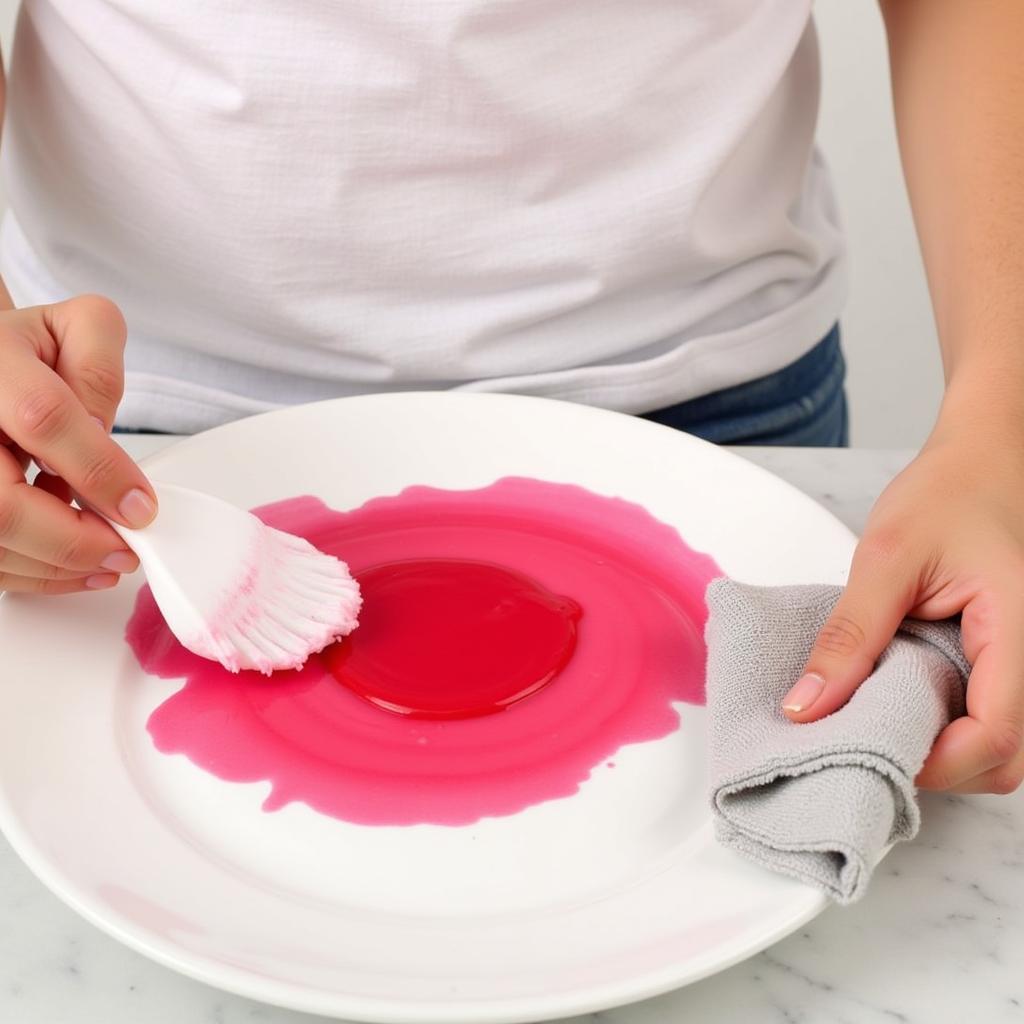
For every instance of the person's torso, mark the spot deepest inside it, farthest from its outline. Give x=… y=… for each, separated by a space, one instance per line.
x=366 y=195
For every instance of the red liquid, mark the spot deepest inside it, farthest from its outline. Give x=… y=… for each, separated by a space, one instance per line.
x=449 y=638
x=639 y=647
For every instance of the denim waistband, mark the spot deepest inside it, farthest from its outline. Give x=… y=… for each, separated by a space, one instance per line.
x=804 y=403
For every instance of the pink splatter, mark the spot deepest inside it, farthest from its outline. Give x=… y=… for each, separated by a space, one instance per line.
x=639 y=647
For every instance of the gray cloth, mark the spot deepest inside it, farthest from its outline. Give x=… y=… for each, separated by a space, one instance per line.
x=819 y=801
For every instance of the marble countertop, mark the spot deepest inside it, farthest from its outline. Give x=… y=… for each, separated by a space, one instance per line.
x=939 y=936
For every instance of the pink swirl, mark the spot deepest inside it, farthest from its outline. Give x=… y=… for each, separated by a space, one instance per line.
x=640 y=647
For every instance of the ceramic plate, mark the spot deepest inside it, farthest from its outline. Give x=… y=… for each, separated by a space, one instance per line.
x=616 y=893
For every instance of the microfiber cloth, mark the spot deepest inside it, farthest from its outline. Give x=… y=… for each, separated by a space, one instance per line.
x=819 y=801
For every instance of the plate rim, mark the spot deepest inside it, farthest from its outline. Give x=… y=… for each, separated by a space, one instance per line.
x=289 y=996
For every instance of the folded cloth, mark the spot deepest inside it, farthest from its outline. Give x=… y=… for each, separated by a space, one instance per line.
x=819 y=801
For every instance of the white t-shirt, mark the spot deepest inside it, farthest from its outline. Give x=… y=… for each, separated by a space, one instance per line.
x=609 y=201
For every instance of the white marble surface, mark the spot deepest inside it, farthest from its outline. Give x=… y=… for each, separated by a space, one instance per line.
x=939 y=937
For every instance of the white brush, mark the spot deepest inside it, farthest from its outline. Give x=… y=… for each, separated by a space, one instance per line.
x=237 y=591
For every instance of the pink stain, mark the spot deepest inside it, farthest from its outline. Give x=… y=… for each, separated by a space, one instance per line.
x=454 y=638
x=639 y=646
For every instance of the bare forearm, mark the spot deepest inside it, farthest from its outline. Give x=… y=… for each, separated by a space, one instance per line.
x=5 y=298
x=958 y=89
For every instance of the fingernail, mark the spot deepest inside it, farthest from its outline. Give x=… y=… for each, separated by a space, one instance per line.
x=137 y=508
x=45 y=467
x=120 y=561
x=101 y=581
x=805 y=692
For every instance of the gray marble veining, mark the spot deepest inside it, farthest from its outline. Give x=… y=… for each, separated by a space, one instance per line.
x=939 y=937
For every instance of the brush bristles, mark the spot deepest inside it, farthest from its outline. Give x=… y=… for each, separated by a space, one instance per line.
x=296 y=601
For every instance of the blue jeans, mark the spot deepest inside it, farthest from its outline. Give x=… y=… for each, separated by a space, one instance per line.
x=801 y=404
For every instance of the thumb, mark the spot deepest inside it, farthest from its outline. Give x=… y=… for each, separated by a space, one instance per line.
x=881 y=590
x=90 y=332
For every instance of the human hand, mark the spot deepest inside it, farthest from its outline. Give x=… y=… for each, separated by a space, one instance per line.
x=61 y=378
x=946 y=536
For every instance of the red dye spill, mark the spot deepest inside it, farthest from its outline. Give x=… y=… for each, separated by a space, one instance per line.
x=448 y=638
x=638 y=648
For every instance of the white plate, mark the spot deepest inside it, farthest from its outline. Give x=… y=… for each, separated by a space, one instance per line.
x=308 y=912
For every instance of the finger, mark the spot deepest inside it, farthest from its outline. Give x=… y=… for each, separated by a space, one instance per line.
x=1004 y=780
x=24 y=459
x=882 y=586
x=22 y=565
x=964 y=749
x=32 y=585
x=46 y=419
x=41 y=526
x=991 y=734
x=91 y=333
x=54 y=485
